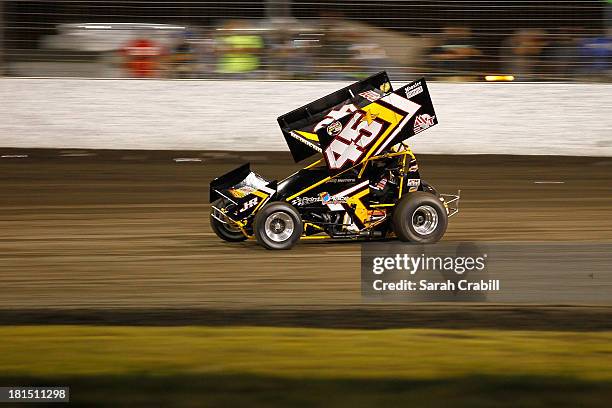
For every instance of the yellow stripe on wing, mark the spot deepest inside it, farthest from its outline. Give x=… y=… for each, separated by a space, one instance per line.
x=308 y=135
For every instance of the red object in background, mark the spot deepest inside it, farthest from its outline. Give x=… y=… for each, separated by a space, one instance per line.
x=142 y=58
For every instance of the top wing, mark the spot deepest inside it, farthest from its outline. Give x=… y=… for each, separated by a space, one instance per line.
x=376 y=127
x=301 y=126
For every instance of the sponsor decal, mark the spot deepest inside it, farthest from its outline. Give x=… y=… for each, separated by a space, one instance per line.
x=413 y=185
x=370 y=95
x=251 y=203
x=381 y=184
x=342 y=180
x=301 y=201
x=414 y=90
x=376 y=215
x=386 y=87
x=334 y=128
x=423 y=122
x=241 y=191
x=413 y=182
x=413 y=168
x=334 y=115
x=306 y=142
x=328 y=199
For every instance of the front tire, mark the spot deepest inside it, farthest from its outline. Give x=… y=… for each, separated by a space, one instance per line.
x=224 y=231
x=420 y=217
x=278 y=226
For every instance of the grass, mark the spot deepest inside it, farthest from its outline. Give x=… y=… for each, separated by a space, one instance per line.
x=303 y=353
x=234 y=365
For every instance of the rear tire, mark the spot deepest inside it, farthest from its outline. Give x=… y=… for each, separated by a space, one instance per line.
x=278 y=226
x=420 y=217
x=224 y=231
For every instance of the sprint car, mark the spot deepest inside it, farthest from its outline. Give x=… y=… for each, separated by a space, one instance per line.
x=365 y=184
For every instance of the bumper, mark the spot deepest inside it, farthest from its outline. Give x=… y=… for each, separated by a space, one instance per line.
x=451 y=202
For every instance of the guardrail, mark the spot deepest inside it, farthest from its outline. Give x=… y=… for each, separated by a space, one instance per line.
x=475 y=118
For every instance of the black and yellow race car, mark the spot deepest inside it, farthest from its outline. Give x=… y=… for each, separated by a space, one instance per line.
x=366 y=185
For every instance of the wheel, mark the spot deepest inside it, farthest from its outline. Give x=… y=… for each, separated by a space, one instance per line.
x=226 y=232
x=278 y=226
x=420 y=217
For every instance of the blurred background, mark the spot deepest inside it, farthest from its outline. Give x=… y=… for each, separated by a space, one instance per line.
x=114 y=283
x=308 y=39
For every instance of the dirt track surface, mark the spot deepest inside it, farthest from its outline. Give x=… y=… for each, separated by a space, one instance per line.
x=100 y=230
